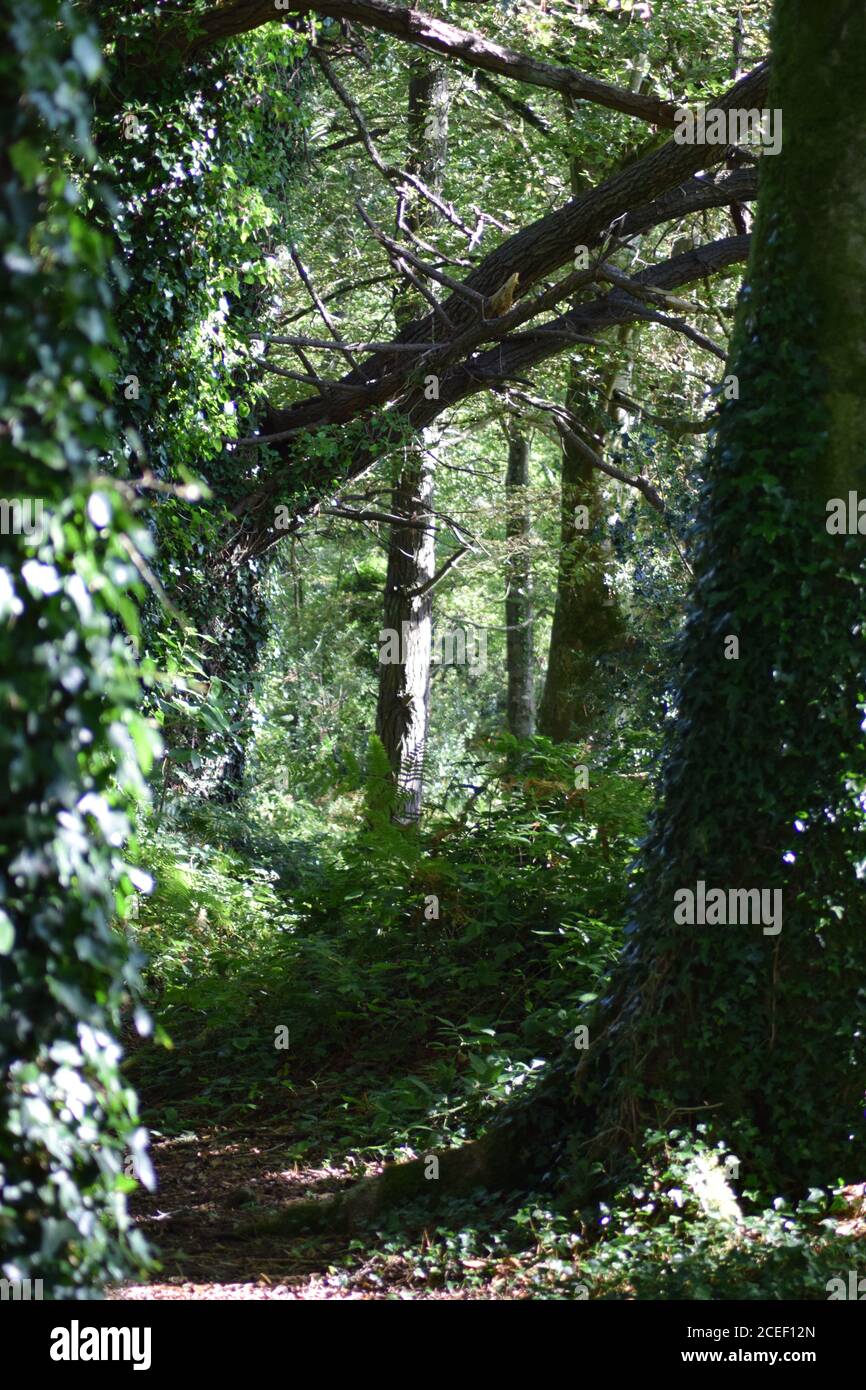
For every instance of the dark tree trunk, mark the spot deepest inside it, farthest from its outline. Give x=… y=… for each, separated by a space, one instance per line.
x=518 y=590
x=587 y=624
x=760 y=1026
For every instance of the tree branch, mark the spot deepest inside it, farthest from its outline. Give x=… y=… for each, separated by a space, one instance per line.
x=453 y=559
x=414 y=27
x=325 y=316
x=565 y=421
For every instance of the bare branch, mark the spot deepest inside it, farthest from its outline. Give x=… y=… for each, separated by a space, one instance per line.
x=390 y=172
x=323 y=312
x=514 y=104
x=351 y=514
x=355 y=347
x=453 y=559
x=404 y=253
x=567 y=424
x=306 y=378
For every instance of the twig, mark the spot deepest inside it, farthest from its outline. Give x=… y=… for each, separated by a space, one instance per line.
x=564 y=421
x=425 y=268
x=453 y=559
x=323 y=312
x=388 y=171
x=354 y=347
x=308 y=379
x=351 y=514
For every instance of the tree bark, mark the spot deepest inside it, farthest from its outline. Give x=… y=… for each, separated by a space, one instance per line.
x=403 y=709
x=426 y=32
x=762 y=1031
x=518 y=590
x=587 y=623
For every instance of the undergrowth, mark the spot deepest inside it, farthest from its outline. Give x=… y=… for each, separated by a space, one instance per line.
x=390 y=991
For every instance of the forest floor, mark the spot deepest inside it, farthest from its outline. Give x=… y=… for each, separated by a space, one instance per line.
x=211 y=1180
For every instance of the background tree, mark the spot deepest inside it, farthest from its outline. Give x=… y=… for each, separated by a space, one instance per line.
x=403 y=708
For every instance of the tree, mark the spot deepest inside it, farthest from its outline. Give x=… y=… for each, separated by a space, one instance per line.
x=586 y=620
x=587 y=624
x=766 y=765
x=518 y=589
x=73 y=746
x=403 y=708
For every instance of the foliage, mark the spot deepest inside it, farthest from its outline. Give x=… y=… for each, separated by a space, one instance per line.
x=200 y=158
x=246 y=932
x=658 y=1238
x=396 y=989
x=73 y=746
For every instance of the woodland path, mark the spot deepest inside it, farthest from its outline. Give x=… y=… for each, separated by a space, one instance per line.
x=211 y=1180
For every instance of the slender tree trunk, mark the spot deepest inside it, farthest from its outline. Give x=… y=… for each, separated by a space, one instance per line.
x=403 y=710
x=518 y=590
x=404 y=684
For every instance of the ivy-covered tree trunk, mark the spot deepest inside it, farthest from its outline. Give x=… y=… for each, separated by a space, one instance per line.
x=518 y=590
x=403 y=709
x=72 y=744
x=586 y=620
x=762 y=1024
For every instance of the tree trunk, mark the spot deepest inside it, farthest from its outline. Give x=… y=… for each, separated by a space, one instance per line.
x=761 y=1025
x=518 y=591
x=586 y=620
x=403 y=711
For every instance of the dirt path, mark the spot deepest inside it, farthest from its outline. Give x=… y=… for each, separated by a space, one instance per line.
x=210 y=1182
